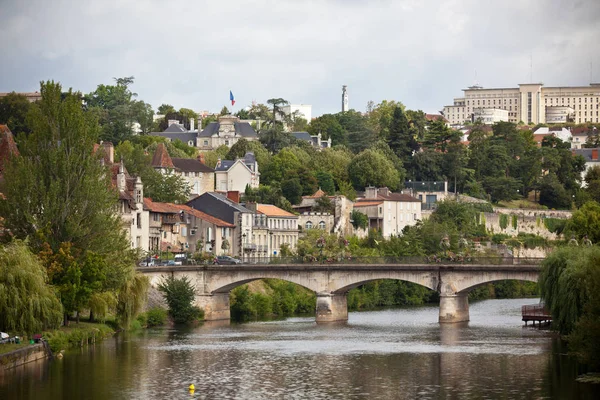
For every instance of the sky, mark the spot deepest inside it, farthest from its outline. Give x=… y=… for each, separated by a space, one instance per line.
x=192 y=53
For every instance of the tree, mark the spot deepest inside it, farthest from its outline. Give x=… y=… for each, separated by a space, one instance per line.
x=165 y=109
x=553 y=194
x=359 y=220
x=400 y=138
x=292 y=190
x=380 y=117
x=143 y=115
x=334 y=161
x=179 y=295
x=224 y=111
x=372 y=168
x=27 y=304
x=69 y=214
x=277 y=107
x=359 y=134
x=13 y=112
x=113 y=105
x=586 y=221
x=275 y=139
x=324 y=205
x=325 y=181
x=329 y=127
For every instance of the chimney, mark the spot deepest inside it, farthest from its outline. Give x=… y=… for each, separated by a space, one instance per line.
x=233 y=195
x=384 y=191
x=251 y=205
x=172 y=121
x=192 y=120
x=370 y=192
x=218 y=163
x=201 y=158
x=109 y=152
x=595 y=154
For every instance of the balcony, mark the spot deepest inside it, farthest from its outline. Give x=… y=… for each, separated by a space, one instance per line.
x=249 y=247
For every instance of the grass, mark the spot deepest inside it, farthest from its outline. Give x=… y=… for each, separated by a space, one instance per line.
x=77 y=335
x=8 y=347
x=522 y=203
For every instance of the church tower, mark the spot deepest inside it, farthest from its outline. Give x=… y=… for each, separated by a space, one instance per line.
x=344 y=98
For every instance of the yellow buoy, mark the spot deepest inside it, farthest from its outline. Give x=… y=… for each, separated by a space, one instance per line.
x=192 y=387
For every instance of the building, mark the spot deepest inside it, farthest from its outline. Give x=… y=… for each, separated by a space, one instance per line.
x=297 y=111
x=316 y=220
x=236 y=175
x=136 y=219
x=227 y=209
x=490 y=116
x=199 y=177
x=591 y=160
x=32 y=97
x=182 y=229
x=314 y=140
x=581 y=135
x=273 y=227
x=338 y=221
x=530 y=103
x=389 y=212
x=561 y=133
x=227 y=131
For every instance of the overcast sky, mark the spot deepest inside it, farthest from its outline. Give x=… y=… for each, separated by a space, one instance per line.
x=191 y=53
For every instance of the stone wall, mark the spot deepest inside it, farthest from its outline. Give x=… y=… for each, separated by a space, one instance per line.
x=525 y=224
x=22 y=356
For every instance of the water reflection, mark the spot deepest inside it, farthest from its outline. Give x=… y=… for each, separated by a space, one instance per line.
x=388 y=354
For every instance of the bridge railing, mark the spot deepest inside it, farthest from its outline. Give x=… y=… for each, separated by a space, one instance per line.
x=407 y=260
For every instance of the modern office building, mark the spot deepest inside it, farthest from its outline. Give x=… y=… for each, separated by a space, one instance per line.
x=529 y=103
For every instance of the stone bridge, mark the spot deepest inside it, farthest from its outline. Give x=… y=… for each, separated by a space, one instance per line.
x=331 y=283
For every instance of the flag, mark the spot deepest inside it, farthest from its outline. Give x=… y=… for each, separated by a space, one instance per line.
x=231 y=98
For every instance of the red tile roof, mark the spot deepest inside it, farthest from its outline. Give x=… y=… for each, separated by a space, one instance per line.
x=316 y=195
x=164 y=208
x=435 y=117
x=161 y=157
x=204 y=216
x=272 y=211
x=367 y=203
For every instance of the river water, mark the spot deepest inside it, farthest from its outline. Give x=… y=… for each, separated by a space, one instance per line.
x=389 y=354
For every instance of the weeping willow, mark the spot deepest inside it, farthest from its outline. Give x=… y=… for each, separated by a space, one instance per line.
x=131 y=298
x=27 y=304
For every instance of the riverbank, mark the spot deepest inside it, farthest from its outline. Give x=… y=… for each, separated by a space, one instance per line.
x=77 y=335
x=23 y=355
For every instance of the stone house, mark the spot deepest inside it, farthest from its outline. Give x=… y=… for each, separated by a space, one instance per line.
x=228 y=209
x=227 y=131
x=236 y=175
x=130 y=204
x=339 y=222
x=272 y=228
x=199 y=176
x=389 y=212
x=314 y=140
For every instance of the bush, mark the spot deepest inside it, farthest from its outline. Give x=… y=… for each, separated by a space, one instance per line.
x=156 y=317
x=179 y=294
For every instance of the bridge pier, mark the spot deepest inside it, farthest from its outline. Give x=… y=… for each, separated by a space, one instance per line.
x=331 y=307
x=215 y=306
x=454 y=308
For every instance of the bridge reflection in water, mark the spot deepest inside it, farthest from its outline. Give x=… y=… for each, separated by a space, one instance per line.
x=332 y=281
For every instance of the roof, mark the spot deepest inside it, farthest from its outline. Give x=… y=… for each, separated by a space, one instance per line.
x=316 y=195
x=204 y=216
x=587 y=154
x=175 y=128
x=8 y=147
x=190 y=165
x=243 y=129
x=163 y=208
x=224 y=165
x=367 y=203
x=302 y=136
x=161 y=157
x=272 y=211
x=185 y=137
x=435 y=117
x=399 y=197
x=218 y=205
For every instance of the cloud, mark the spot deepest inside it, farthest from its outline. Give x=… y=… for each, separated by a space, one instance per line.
x=190 y=54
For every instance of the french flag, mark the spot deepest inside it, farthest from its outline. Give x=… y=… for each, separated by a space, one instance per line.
x=231 y=98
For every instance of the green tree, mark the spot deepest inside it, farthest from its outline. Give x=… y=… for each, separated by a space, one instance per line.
x=324 y=204
x=325 y=181
x=359 y=220
x=329 y=127
x=553 y=194
x=400 y=138
x=277 y=105
x=165 y=109
x=380 y=117
x=179 y=295
x=274 y=139
x=13 y=113
x=292 y=190
x=334 y=161
x=586 y=221
x=70 y=209
x=372 y=168
x=359 y=134
x=143 y=115
x=224 y=111
x=27 y=304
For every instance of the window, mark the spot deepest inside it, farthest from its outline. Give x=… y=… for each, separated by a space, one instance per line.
x=206 y=142
x=309 y=225
x=190 y=143
x=227 y=143
x=322 y=225
x=139 y=220
x=183 y=231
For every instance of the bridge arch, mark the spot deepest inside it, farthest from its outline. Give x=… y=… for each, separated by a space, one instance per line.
x=232 y=285
x=430 y=284
x=475 y=286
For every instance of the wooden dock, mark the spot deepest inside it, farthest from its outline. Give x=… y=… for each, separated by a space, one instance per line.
x=536 y=313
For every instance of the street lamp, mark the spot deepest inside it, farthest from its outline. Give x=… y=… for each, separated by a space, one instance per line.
x=160 y=232
x=243 y=243
x=270 y=243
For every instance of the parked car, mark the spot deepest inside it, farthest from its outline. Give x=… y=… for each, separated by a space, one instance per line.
x=148 y=263
x=226 y=260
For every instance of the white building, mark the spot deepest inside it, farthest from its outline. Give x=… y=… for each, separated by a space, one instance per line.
x=387 y=211
x=236 y=175
x=490 y=116
x=298 y=111
x=530 y=103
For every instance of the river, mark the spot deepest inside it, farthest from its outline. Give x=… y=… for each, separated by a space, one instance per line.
x=389 y=354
